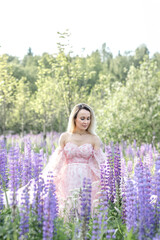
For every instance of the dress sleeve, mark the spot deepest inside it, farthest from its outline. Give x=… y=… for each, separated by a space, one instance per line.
x=55 y=164
x=98 y=158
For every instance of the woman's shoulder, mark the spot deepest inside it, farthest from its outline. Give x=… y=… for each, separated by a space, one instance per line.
x=96 y=141
x=64 y=135
x=63 y=138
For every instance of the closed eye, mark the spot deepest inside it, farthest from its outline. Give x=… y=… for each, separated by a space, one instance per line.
x=84 y=118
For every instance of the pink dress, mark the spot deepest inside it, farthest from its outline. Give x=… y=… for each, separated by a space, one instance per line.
x=71 y=165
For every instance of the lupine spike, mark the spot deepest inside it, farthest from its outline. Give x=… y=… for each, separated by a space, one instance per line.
x=3 y=164
x=14 y=178
x=50 y=210
x=130 y=210
x=157 y=179
x=110 y=174
x=24 y=214
x=27 y=167
x=85 y=206
x=117 y=173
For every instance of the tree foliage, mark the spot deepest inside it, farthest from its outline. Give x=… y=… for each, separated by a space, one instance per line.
x=38 y=92
x=132 y=112
x=7 y=90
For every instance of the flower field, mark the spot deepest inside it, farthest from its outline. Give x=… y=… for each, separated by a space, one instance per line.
x=128 y=206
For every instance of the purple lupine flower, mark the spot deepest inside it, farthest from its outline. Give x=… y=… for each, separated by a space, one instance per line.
x=141 y=199
x=85 y=205
x=27 y=165
x=157 y=182
x=130 y=167
x=123 y=193
x=1 y=198
x=103 y=215
x=123 y=167
x=104 y=190
x=130 y=210
x=110 y=173
x=96 y=228
x=99 y=222
x=117 y=172
x=100 y=218
x=86 y=198
x=3 y=171
x=104 y=181
x=145 y=211
x=151 y=160
x=37 y=202
x=149 y=209
x=143 y=150
x=38 y=164
x=3 y=164
x=37 y=185
x=110 y=234
x=157 y=237
x=99 y=229
x=50 y=210
x=24 y=213
x=130 y=152
x=13 y=172
x=99 y=225
x=121 y=151
x=148 y=160
x=20 y=169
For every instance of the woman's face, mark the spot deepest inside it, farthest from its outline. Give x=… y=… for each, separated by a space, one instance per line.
x=83 y=119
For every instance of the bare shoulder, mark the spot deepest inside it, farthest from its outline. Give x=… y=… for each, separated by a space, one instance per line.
x=63 y=138
x=96 y=142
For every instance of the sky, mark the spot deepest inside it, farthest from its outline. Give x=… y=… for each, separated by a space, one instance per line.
x=122 y=24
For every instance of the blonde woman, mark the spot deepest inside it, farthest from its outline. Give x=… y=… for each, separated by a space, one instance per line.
x=79 y=154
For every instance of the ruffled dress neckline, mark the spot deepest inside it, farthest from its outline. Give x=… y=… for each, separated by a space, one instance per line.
x=78 y=146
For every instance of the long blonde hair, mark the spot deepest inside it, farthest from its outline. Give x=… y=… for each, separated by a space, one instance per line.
x=73 y=116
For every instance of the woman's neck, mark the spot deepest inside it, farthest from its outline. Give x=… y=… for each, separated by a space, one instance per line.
x=80 y=132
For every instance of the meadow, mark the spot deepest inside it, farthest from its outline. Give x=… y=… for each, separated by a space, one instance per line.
x=128 y=207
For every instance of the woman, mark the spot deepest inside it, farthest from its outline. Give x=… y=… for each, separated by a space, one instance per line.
x=78 y=156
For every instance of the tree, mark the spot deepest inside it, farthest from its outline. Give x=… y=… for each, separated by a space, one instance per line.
x=68 y=73
x=140 y=53
x=107 y=56
x=43 y=102
x=30 y=53
x=132 y=112
x=119 y=67
x=93 y=69
x=21 y=110
x=29 y=69
x=156 y=58
x=7 y=91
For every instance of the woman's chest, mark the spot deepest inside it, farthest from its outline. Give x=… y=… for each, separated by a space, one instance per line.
x=72 y=150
